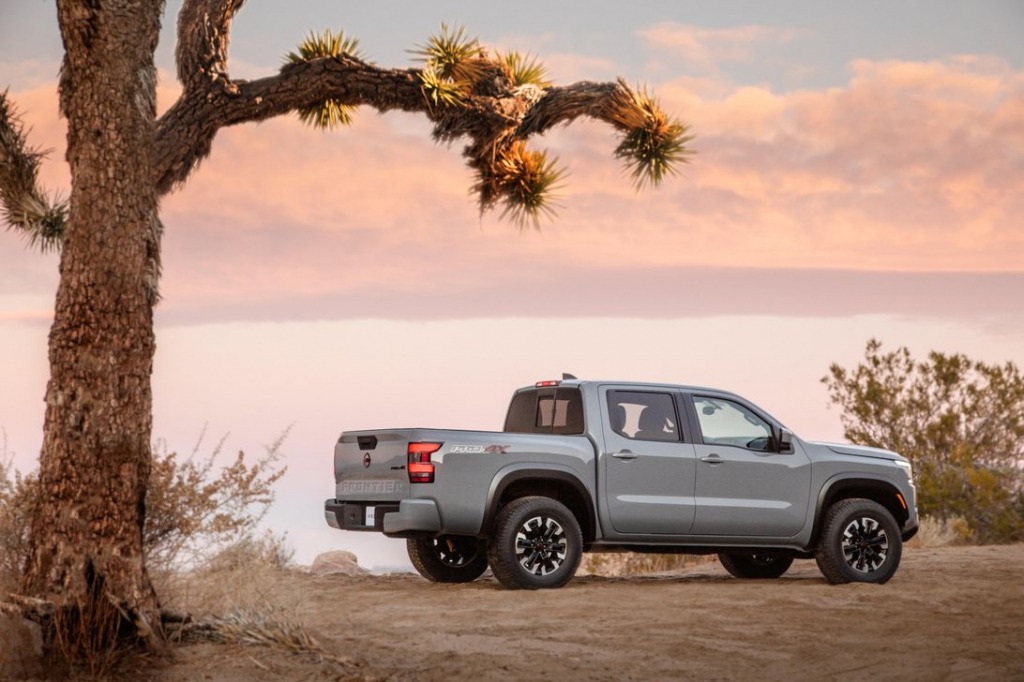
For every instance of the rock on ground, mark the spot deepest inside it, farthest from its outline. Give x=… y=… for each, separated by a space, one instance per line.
x=338 y=562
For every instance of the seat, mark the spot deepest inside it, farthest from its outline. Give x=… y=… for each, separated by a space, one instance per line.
x=617 y=414
x=652 y=426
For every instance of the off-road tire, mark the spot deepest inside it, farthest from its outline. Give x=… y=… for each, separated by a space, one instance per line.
x=448 y=558
x=536 y=544
x=754 y=564
x=860 y=543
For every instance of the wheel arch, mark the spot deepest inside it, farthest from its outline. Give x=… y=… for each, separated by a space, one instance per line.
x=557 y=484
x=868 y=487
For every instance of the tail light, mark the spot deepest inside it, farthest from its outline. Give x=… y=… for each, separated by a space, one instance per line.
x=421 y=469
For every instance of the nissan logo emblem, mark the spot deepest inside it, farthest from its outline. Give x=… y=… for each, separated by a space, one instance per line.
x=366 y=460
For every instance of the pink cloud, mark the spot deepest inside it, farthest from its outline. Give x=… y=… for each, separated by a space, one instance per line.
x=914 y=167
x=705 y=48
x=904 y=167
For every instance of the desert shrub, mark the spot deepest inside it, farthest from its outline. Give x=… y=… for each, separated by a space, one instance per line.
x=13 y=519
x=269 y=550
x=961 y=423
x=195 y=510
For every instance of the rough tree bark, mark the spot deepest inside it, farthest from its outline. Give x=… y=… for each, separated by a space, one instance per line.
x=86 y=534
x=87 y=560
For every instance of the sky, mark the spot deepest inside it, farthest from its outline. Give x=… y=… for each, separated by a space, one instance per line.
x=859 y=173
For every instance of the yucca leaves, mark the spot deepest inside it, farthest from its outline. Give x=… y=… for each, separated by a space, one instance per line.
x=452 y=63
x=330 y=113
x=653 y=145
x=453 y=55
x=653 y=153
x=523 y=69
x=440 y=91
x=26 y=206
x=326 y=44
x=527 y=181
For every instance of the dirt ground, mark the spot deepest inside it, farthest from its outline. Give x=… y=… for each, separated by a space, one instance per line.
x=954 y=613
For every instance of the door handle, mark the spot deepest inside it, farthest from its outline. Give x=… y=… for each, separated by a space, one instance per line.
x=624 y=454
x=712 y=459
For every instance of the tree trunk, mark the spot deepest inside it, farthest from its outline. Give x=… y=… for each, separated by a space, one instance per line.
x=86 y=531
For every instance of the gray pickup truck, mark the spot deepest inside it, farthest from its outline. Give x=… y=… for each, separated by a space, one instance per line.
x=590 y=466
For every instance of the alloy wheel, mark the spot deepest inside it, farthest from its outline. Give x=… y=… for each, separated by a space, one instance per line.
x=865 y=544
x=541 y=545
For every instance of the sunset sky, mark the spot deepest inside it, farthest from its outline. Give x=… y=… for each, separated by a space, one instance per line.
x=859 y=173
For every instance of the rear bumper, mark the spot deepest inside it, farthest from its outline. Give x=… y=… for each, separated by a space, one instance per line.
x=407 y=516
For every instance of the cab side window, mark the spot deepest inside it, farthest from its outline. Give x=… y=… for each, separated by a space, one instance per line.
x=724 y=422
x=642 y=415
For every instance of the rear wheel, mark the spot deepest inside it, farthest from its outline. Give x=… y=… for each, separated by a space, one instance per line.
x=448 y=558
x=860 y=543
x=755 y=565
x=536 y=543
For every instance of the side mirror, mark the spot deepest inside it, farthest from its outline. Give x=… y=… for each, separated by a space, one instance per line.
x=785 y=439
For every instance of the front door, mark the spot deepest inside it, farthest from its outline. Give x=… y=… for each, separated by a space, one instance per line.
x=745 y=486
x=648 y=468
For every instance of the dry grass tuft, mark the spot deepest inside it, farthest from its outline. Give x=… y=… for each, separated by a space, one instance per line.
x=622 y=564
x=942 y=533
x=267 y=626
x=243 y=605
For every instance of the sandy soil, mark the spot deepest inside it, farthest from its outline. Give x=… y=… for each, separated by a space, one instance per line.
x=949 y=614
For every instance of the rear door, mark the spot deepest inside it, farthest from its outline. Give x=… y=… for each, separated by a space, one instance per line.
x=647 y=465
x=745 y=486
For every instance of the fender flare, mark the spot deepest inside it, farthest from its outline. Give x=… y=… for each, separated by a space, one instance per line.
x=842 y=481
x=514 y=473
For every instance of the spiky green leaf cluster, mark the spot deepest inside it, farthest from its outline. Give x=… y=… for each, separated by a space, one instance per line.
x=523 y=69
x=528 y=181
x=653 y=145
x=438 y=90
x=328 y=115
x=40 y=217
x=452 y=63
x=452 y=55
x=326 y=44
x=331 y=113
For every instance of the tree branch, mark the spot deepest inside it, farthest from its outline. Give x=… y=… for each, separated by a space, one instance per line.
x=185 y=132
x=26 y=207
x=567 y=103
x=203 y=33
x=488 y=100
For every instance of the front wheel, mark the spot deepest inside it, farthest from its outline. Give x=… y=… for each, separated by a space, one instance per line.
x=536 y=543
x=860 y=543
x=755 y=565
x=448 y=558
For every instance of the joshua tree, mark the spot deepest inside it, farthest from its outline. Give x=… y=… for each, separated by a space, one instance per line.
x=87 y=566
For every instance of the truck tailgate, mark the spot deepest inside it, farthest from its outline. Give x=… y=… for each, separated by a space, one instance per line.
x=370 y=466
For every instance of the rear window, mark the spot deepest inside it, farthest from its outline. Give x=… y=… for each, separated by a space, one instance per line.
x=546 y=410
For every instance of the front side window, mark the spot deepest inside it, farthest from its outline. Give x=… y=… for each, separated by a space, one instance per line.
x=724 y=422
x=642 y=415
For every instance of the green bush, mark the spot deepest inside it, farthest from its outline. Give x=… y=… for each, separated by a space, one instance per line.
x=961 y=423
